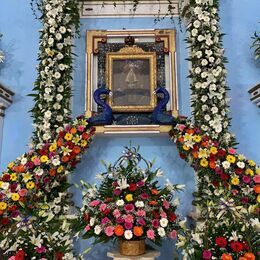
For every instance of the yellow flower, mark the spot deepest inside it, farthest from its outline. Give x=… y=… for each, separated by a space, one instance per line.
x=83 y=143
x=129 y=197
x=213 y=150
x=44 y=158
x=3 y=205
x=241 y=157
x=197 y=138
x=10 y=165
x=185 y=147
x=15 y=196
x=203 y=153
x=13 y=177
x=60 y=169
x=30 y=185
x=204 y=162
x=235 y=180
x=66 y=150
x=53 y=147
x=258 y=198
x=231 y=158
x=251 y=163
x=187 y=137
x=249 y=172
x=1 y=183
x=68 y=136
x=257 y=171
x=27 y=177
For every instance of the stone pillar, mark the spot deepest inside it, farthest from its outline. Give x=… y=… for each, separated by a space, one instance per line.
x=6 y=96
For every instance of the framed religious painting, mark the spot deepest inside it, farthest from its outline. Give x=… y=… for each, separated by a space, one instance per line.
x=131 y=77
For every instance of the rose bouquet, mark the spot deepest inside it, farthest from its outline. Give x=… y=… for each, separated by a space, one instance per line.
x=129 y=204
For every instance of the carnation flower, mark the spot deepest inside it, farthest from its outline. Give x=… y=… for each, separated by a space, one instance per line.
x=128 y=234
x=97 y=230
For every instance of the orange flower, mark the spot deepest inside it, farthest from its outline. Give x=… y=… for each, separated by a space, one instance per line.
x=85 y=136
x=257 y=189
x=59 y=142
x=181 y=139
x=73 y=130
x=65 y=158
x=154 y=192
x=52 y=172
x=242 y=258
x=195 y=154
x=119 y=230
x=205 y=144
x=190 y=131
x=153 y=202
x=76 y=149
x=19 y=168
x=249 y=256
x=212 y=164
x=226 y=257
x=138 y=231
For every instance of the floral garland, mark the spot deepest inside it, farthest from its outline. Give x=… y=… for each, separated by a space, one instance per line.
x=208 y=73
x=33 y=192
x=52 y=87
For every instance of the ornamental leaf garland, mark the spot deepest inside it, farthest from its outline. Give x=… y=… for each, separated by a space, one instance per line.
x=52 y=91
x=208 y=74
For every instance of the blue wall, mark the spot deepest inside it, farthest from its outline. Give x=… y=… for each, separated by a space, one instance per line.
x=239 y=21
x=20 y=43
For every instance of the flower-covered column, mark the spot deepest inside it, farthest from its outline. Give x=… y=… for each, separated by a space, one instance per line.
x=52 y=87
x=208 y=73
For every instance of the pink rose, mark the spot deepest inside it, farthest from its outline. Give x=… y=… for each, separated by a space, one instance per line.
x=36 y=161
x=163 y=214
x=81 y=128
x=155 y=223
x=11 y=258
x=102 y=207
x=173 y=234
x=231 y=150
x=129 y=207
x=87 y=228
x=109 y=231
x=150 y=234
x=116 y=213
x=129 y=218
x=94 y=203
x=128 y=225
x=166 y=204
x=256 y=178
x=141 y=222
x=246 y=179
x=206 y=254
x=22 y=192
x=40 y=249
x=140 y=213
x=181 y=127
x=105 y=220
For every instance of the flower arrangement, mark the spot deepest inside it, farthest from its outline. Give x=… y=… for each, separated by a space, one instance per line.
x=129 y=204
x=33 y=194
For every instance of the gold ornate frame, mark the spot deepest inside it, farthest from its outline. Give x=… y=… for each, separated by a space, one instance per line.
x=167 y=36
x=128 y=53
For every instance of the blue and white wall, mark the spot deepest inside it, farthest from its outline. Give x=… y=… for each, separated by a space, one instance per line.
x=20 y=42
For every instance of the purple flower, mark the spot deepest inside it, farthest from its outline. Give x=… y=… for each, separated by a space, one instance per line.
x=105 y=220
x=40 y=249
x=141 y=222
x=155 y=223
x=120 y=220
x=246 y=179
x=245 y=200
x=144 y=196
x=206 y=254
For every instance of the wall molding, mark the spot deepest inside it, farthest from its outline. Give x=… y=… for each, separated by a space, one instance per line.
x=145 y=8
x=6 y=99
x=255 y=94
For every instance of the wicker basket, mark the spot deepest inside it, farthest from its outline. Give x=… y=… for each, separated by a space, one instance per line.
x=131 y=247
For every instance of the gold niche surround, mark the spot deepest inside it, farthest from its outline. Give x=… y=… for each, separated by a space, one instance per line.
x=167 y=37
x=132 y=53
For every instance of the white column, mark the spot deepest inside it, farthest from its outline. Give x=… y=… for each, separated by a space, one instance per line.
x=6 y=96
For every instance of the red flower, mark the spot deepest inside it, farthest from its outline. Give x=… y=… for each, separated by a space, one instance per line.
x=221 y=242
x=155 y=214
x=5 y=221
x=224 y=176
x=43 y=152
x=106 y=211
x=221 y=152
x=182 y=155
x=6 y=177
x=132 y=187
x=171 y=216
x=58 y=256
x=61 y=134
x=20 y=255
x=238 y=171
x=85 y=136
x=236 y=246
